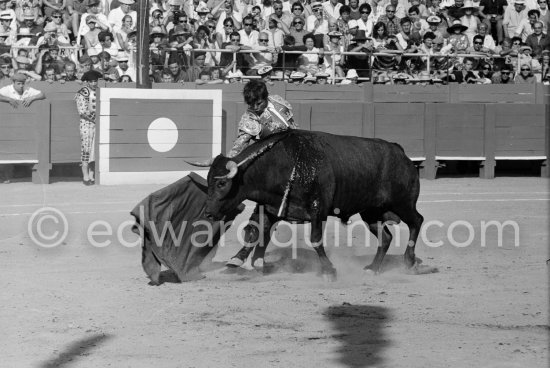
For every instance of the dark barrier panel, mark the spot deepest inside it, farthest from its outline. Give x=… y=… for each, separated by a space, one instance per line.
x=65 y=132
x=25 y=137
x=301 y=92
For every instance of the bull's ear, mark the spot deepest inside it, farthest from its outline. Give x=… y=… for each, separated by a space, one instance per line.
x=206 y=163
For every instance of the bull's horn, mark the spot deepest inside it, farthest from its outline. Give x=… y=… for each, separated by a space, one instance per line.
x=206 y=163
x=232 y=167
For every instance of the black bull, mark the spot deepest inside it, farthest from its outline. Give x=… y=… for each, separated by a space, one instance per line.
x=333 y=176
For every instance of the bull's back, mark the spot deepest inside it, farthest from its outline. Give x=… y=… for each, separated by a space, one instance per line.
x=362 y=171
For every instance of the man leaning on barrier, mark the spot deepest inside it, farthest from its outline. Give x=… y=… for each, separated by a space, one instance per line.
x=18 y=94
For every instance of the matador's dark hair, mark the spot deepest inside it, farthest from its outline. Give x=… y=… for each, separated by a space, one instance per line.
x=254 y=90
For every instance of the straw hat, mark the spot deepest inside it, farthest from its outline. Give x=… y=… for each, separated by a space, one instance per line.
x=202 y=9
x=433 y=19
x=5 y=16
x=156 y=32
x=456 y=24
x=321 y=75
x=297 y=75
x=28 y=14
x=22 y=60
x=91 y=19
x=122 y=56
x=126 y=2
x=353 y=23
x=469 y=4
x=237 y=74
x=24 y=32
x=352 y=73
x=335 y=34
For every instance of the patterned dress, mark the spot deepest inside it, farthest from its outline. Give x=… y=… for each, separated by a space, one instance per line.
x=277 y=117
x=86 y=103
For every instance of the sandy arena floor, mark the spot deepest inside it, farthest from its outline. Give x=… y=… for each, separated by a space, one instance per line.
x=84 y=305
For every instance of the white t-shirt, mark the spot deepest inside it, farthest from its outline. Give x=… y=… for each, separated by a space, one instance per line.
x=9 y=91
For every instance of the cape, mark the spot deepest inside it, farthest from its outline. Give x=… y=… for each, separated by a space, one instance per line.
x=180 y=205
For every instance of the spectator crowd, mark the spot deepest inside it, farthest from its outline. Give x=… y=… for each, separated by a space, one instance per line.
x=302 y=41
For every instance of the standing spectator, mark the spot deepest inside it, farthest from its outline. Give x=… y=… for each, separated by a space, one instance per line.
x=93 y=10
x=354 y=13
x=107 y=45
x=5 y=70
x=332 y=10
x=513 y=15
x=378 y=8
x=492 y=13
x=86 y=105
x=545 y=67
x=116 y=15
x=18 y=94
x=121 y=35
x=284 y=19
x=525 y=76
x=455 y=11
x=8 y=12
x=76 y=8
x=538 y=41
x=525 y=27
x=544 y=14
x=91 y=39
x=62 y=32
x=334 y=46
x=504 y=76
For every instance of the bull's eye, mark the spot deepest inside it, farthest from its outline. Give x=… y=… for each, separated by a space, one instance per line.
x=221 y=184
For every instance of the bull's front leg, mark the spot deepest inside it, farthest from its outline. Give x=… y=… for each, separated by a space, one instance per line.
x=327 y=268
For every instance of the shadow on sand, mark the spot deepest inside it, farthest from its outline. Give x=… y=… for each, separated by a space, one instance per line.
x=361 y=331
x=75 y=351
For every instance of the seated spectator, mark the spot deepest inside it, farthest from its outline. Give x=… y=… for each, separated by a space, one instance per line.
x=478 y=49
x=106 y=40
x=361 y=63
x=365 y=22
x=455 y=11
x=342 y=22
x=355 y=11
x=50 y=7
x=457 y=38
x=121 y=35
x=485 y=74
x=49 y=36
x=17 y=93
x=351 y=77
x=49 y=75
x=8 y=12
x=123 y=68
x=316 y=23
x=69 y=73
x=419 y=24
x=116 y=14
x=391 y=22
x=321 y=78
x=105 y=67
x=265 y=73
x=85 y=65
x=492 y=13
x=8 y=30
x=297 y=11
x=333 y=55
x=90 y=39
x=525 y=58
x=249 y=36
x=125 y=79
x=76 y=9
x=297 y=77
x=4 y=48
x=22 y=65
x=290 y=61
x=434 y=26
x=266 y=57
x=525 y=76
x=234 y=77
x=525 y=27
x=94 y=57
x=470 y=20
x=157 y=20
x=164 y=76
x=545 y=67
x=29 y=17
x=6 y=70
x=465 y=74
x=283 y=18
x=388 y=45
x=538 y=41
x=101 y=23
x=298 y=31
x=408 y=39
x=62 y=32
x=197 y=66
x=276 y=35
x=309 y=61
x=243 y=60
x=488 y=40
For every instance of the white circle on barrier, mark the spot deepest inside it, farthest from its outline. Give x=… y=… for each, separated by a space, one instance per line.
x=162 y=134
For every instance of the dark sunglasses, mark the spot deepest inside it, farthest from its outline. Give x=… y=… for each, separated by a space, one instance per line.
x=297 y=9
x=248 y=24
x=298 y=22
x=235 y=40
x=277 y=8
x=525 y=69
x=505 y=73
x=486 y=68
x=263 y=40
x=390 y=11
x=478 y=43
x=365 y=12
x=228 y=25
x=56 y=17
x=211 y=27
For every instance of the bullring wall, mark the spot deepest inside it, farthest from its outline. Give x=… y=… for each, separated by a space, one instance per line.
x=483 y=123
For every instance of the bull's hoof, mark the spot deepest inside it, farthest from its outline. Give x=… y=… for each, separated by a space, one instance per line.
x=329 y=274
x=372 y=270
x=258 y=264
x=234 y=262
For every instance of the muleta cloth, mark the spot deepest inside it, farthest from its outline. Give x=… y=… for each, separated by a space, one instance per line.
x=180 y=205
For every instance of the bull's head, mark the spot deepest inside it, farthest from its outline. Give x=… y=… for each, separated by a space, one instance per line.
x=223 y=193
